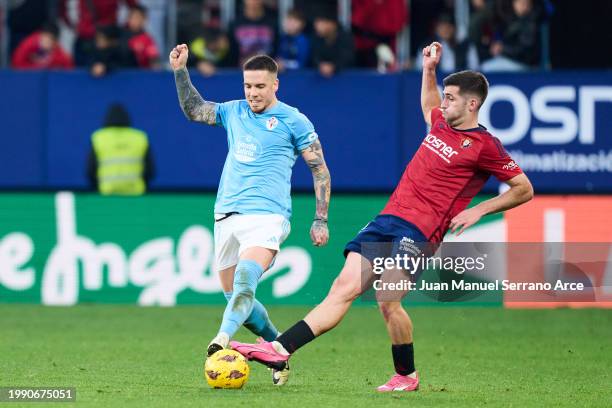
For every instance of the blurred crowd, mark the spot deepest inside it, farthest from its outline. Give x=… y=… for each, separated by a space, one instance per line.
x=501 y=35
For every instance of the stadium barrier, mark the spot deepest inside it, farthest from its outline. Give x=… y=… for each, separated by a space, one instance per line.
x=66 y=248
x=555 y=124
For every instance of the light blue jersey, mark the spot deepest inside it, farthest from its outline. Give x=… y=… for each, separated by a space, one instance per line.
x=263 y=147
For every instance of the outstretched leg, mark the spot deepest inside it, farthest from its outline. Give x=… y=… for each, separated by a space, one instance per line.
x=356 y=276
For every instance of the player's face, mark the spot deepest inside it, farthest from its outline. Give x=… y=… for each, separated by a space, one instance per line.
x=456 y=108
x=260 y=89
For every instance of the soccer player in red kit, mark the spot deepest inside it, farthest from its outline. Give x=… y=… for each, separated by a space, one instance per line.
x=450 y=167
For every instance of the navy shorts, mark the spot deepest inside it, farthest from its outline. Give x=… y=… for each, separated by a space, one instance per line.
x=387 y=236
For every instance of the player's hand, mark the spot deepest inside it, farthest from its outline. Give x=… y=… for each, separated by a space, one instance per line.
x=319 y=234
x=178 y=57
x=327 y=69
x=430 y=62
x=98 y=69
x=465 y=219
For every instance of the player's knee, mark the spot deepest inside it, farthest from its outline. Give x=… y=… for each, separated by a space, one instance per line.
x=345 y=289
x=388 y=309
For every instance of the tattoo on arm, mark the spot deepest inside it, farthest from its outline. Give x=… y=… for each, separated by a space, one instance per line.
x=313 y=155
x=192 y=103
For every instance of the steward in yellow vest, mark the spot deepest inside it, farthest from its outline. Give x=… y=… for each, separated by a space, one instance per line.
x=120 y=161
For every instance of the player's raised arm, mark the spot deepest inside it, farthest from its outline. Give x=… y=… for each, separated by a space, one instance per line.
x=313 y=156
x=430 y=97
x=192 y=104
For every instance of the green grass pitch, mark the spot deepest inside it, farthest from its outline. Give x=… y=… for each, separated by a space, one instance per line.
x=126 y=356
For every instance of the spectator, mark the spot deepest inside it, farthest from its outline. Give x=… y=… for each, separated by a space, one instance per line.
x=456 y=56
x=376 y=22
x=92 y=14
x=120 y=160
x=139 y=41
x=425 y=13
x=294 y=47
x=519 y=47
x=332 y=47
x=24 y=18
x=209 y=51
x=481 y=29
x=41 y=50
x=312 y=8
x=110 y=52
x=253 y=32
x=190 y=15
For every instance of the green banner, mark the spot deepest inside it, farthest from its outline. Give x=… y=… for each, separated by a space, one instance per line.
x=65 y=248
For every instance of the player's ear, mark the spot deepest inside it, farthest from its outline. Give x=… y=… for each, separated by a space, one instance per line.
x=276 y=82
x=473 y=104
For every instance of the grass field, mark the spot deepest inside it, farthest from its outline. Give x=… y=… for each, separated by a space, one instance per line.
x=124 y=356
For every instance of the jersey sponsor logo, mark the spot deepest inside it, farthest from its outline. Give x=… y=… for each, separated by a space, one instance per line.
x=247 y=149
x=271 y=123
x=312 y=136
x=466 y=142
x=511 y=165
x=444 y=151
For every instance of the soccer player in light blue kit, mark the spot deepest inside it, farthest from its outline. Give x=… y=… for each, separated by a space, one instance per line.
x=253 y=204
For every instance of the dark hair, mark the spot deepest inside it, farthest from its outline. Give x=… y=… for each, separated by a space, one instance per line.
x=51 y=28
x=326 y=13
x=469 y=82
x=139 y=8
x=297 y=14
x=445 y=18
x=117 y=116
x=261 y=63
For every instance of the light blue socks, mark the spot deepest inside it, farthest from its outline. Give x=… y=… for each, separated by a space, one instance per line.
x=243 y=308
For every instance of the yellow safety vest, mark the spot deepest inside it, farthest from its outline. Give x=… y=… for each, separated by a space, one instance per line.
x=120 y=152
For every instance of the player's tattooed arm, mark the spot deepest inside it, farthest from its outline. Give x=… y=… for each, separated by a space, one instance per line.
x=313 y=156
x=192 y=103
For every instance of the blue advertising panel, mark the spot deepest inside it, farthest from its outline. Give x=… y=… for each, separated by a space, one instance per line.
x=22 y=142
x=556 y=125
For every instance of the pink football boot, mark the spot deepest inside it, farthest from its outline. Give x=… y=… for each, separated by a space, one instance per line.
x=263 y=353
x=400 y=383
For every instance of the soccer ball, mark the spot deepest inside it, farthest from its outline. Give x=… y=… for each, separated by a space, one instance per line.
x=226 y=369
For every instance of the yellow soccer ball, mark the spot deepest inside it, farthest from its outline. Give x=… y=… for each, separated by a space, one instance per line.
x=226 y=369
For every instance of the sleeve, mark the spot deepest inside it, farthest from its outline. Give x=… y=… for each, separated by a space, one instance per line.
x=495 y=160
x=224 y=110
x=303 y=133
x=436 y=114
x=24 y=49
x=62 y=59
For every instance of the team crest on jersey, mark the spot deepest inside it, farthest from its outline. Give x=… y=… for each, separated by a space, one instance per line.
x=466 y=142
x=272 y=123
